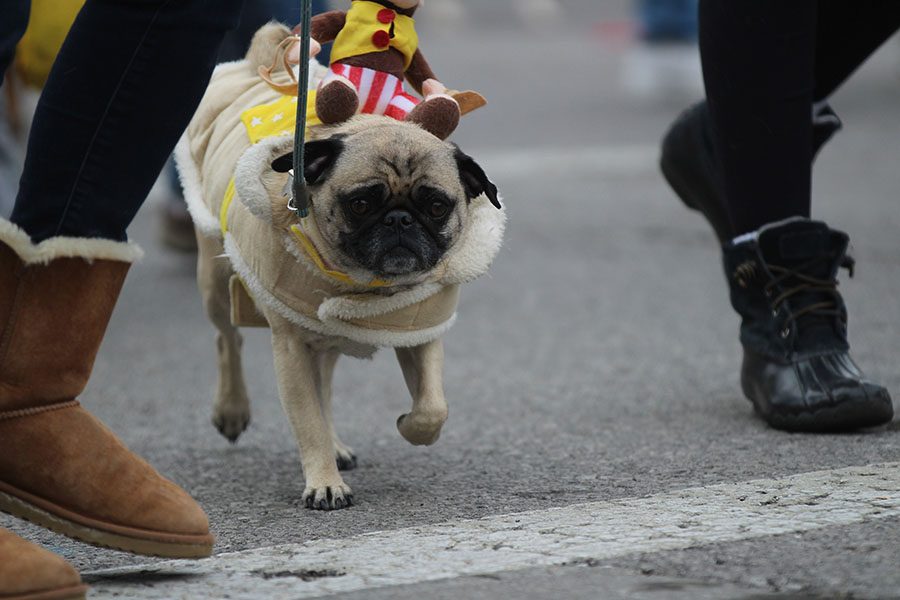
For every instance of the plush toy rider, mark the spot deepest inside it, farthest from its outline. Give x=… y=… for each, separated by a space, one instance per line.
x=375 y=49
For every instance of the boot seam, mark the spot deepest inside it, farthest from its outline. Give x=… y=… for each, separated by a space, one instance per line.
x=12 y=317
x=36 y=410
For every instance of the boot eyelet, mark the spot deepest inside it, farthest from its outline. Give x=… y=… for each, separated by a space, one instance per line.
x=785 y=332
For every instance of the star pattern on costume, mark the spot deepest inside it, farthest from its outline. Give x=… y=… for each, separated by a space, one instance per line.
x=256 y=121
x=277 y=117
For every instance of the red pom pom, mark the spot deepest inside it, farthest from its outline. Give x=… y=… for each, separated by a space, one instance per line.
x=386 y=15
x=381 y=39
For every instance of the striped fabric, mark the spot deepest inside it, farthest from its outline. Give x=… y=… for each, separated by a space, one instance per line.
x=379 y=93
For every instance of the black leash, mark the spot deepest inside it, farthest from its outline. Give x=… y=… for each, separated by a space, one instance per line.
x=300 y=200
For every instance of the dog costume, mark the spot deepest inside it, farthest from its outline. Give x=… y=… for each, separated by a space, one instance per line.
x=224 y=159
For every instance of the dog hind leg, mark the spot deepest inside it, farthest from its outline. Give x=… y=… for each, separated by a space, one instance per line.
x=231 y=409
x=422 y=368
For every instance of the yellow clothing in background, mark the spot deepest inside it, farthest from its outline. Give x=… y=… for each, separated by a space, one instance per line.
x=48 y=26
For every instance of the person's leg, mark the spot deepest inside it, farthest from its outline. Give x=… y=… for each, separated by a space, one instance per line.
x=758 y=65
x=761 y=60
x=124 y=86
x=177 y=225
x=112 y=110
x=12 y=28
x=256 y=14
x=846 y=35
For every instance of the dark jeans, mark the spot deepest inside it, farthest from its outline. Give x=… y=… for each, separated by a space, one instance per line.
x=765 y=62
x=255 y=14
x=123 y=88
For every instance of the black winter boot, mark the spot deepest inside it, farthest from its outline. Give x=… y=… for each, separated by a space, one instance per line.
x=689 y=162
x=797 y=369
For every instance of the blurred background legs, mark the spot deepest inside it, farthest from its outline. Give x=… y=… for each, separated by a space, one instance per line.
x=665 y=57
x=668 y=20
x=12 y=27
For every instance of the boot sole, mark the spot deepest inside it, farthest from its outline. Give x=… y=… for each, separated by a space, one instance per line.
x=104 y=535
x=78 y=592
x=847 y=416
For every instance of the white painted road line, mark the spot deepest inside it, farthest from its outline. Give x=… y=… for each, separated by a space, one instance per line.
x=598 y=530
x=543 y=161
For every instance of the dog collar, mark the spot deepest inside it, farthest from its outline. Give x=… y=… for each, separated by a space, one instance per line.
x=305 y=243
x=310 y=249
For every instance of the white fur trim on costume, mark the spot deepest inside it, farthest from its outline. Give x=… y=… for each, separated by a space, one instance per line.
x=345 y=308
x=479 y=245
x=330 y=326
x=254 y=164
x=65 y=247
x=189 y=175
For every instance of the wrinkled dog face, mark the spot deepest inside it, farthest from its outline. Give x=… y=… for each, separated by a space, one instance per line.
x=390 y=200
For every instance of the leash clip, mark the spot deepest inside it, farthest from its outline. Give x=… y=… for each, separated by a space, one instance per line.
x=288 y=192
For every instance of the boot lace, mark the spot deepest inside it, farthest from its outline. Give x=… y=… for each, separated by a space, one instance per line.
x=805 y=284
x=802 y=284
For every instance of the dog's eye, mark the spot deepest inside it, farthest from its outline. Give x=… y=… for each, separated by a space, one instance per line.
x=438 y=209
x=359 y=207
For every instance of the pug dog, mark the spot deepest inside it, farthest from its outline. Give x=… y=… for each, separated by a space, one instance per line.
x=398 y=221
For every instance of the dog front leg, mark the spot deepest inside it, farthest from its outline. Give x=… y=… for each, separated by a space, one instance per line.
x=297 y=371
x=423 y=371
x=346 y=459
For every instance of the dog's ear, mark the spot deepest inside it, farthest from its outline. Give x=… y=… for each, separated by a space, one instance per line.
x=474 y=179
x=318 y=158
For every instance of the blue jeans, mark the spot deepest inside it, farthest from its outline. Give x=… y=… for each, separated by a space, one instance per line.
x=123 y=88
x=668 y=20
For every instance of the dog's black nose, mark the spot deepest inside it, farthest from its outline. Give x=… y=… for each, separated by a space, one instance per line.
x=399 y=219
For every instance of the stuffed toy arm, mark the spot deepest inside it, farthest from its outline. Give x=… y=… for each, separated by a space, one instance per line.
x=324 y=28
x=326 y=25
x=419 y=72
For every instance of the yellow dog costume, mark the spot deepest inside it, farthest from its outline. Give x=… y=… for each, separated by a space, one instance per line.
x=224 y=160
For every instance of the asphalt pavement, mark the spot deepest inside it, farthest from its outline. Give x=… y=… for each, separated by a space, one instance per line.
x=598 y=361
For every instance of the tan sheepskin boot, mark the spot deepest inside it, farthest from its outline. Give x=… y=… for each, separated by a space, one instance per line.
x=60 y=467
x=28 y=572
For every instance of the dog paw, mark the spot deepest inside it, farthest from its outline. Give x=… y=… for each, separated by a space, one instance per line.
x=231 y=424
x=346 y=461
x=332 y=497
x=420 y=430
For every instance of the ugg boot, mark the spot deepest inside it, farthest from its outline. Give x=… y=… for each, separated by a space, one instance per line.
x=59 y=466
x=797 y=369
x=28 y=572
x=689 y=163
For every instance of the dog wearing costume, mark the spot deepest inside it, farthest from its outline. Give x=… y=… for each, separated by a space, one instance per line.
x=398 y=220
